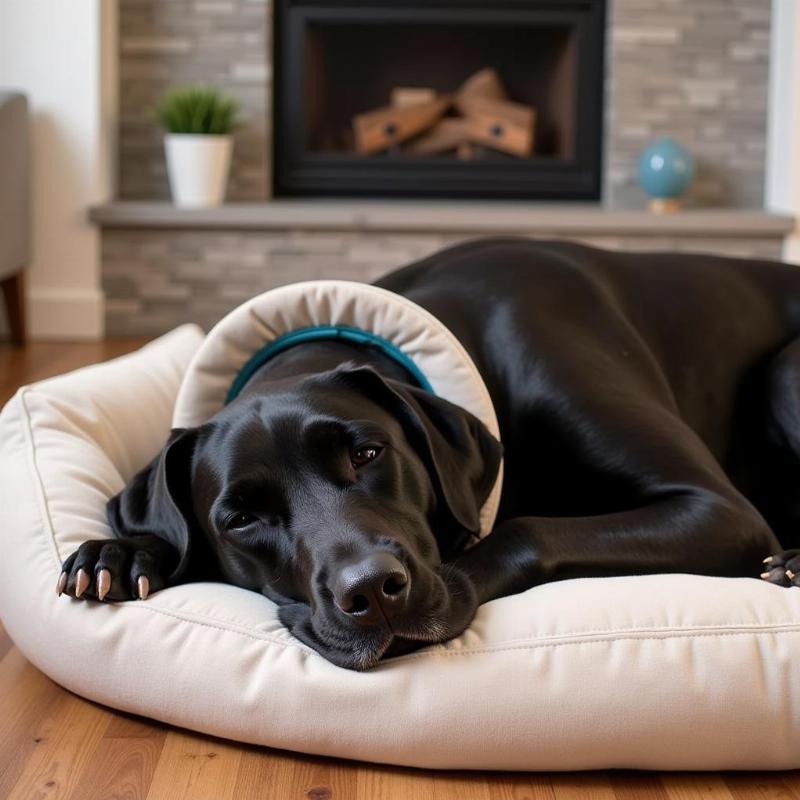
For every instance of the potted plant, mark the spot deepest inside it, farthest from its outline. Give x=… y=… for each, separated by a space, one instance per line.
x=198 y=122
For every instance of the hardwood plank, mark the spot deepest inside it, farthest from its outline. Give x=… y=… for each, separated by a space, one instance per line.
x=267 y=774
x=260 y=770
x=66 y=739
x=388 y=783
x=461 y=785
x=315 y=778
x=26 y=695
x=633 y=785
x=582 y=786
x=195 y=767
x=518 y=786
x=126 y=726
x=123 y=764
x=695 y=786
x=764 y=785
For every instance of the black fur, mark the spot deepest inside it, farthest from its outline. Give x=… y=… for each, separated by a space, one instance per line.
x=649 y=405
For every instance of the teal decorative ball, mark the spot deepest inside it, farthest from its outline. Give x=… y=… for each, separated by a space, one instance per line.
x=666 y=169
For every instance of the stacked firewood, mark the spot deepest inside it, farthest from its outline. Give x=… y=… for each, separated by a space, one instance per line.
x=418 y=121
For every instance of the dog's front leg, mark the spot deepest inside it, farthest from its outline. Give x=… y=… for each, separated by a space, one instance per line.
x=692 y=531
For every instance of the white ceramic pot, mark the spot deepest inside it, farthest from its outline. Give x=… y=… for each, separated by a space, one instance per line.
x=198 y=167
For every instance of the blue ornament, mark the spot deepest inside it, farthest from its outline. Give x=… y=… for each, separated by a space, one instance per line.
x=666 y=169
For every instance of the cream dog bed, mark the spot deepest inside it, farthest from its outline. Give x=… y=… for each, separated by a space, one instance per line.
x=662 y=672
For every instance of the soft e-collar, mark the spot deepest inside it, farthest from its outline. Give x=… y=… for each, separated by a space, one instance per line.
x=250 y=334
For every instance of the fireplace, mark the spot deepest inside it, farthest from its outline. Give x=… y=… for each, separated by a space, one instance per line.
x=401 y=71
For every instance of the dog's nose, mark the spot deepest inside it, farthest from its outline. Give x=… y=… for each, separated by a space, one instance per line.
x=373 y=588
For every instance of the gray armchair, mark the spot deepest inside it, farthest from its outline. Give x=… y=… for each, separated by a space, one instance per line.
x=14 y=207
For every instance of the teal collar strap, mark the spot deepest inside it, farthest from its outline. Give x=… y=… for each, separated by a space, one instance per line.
x=317 y=333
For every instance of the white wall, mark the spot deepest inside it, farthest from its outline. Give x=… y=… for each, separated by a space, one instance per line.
x=783 y=145
x=57 y=52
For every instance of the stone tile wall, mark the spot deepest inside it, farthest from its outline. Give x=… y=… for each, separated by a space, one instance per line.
x=696 y=70
x=693 y=69
x=157 y=279
x=164 y=43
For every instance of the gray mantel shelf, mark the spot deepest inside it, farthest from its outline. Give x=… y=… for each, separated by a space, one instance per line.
x=472 y=217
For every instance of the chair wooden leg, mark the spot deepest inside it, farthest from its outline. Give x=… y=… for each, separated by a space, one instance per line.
x=14 y=294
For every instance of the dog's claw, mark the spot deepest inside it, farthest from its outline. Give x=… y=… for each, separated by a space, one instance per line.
x=783 y=569
x=114 y=570
x=103 y=583
x=81 y=582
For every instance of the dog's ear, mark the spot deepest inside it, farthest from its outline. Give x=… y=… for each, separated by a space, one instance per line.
x=158 y=500
x=462 y=457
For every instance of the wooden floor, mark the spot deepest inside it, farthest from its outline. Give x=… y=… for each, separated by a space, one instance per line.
x=56 y=745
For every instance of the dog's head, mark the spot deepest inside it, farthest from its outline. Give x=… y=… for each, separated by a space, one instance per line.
x=338 y=495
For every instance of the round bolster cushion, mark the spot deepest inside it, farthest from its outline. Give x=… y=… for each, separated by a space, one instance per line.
x=661 y=672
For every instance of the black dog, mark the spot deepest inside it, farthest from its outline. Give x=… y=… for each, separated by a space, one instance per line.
x=650 y=410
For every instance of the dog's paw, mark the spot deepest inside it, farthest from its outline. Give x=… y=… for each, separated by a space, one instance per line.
x=783 y=568
x=113 y=569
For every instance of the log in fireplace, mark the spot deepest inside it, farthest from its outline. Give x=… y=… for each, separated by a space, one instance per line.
x=439 y=98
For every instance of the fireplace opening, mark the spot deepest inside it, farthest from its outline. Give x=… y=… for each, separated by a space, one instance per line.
x=447 y=99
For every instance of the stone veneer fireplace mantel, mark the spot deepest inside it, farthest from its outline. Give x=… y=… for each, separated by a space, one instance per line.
x=467 y=217
x=163 y=266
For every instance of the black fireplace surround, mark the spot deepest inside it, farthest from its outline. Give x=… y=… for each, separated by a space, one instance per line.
x=336 y=59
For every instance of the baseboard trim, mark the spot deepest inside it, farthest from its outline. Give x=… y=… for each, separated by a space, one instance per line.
x=66 y=314
x=791 y=246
